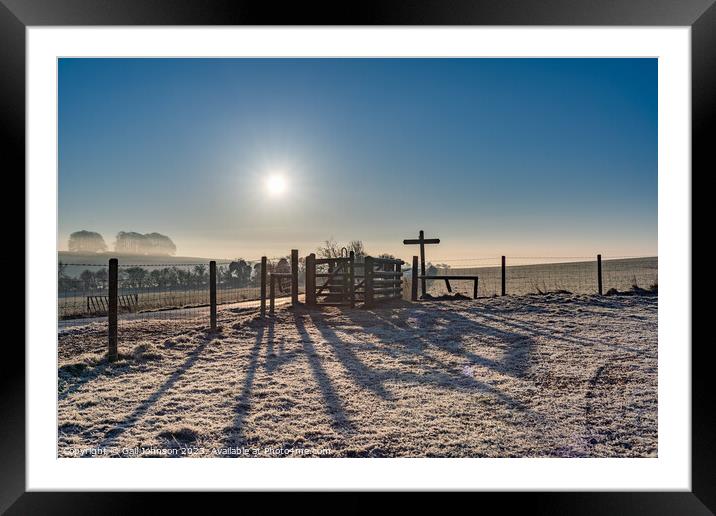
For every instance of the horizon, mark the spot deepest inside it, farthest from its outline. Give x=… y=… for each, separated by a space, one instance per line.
x=520 y=157
x=456 y=263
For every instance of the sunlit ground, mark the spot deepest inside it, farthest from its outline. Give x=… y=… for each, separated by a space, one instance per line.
x=533 y=376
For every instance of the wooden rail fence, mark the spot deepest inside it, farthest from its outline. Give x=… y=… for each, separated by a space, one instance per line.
x=347 y=281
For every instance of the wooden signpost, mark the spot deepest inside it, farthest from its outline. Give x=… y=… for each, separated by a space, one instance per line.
x=421 y=240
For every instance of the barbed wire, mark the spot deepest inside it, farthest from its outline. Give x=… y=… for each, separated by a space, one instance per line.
x=433 y=260
x=463 y=259
x=508 y=257
x=144 y=264
x=84 y=264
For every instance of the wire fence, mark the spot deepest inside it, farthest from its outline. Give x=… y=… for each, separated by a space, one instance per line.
x=164 y=291
x=181 y=291
x=202 y=293
x=542 y=275
x=627 y=273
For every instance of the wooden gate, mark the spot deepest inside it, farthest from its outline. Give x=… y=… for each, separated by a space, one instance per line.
x=330 y=281
x=346 y=281
x=383 y=280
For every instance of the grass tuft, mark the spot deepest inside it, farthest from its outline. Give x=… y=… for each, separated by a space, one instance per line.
x=145 y=351
x=181 y=434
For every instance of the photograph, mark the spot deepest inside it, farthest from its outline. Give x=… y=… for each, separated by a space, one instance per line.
x=368 y=257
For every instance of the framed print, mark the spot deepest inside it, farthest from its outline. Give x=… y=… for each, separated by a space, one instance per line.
x=396 y=247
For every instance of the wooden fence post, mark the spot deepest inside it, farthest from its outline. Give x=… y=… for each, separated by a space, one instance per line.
x=212 y=294
x=414 y=280
x=113 y=278
x=368 y=280
x=351 y=278
x=311 y=279
x=599 y=273
x=263 y=286
x=398 y=286
x=272 y=292
x=421 y=237
x=294 y=277
x=503 y=276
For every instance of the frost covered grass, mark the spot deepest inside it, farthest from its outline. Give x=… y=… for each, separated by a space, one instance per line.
x=553 y=375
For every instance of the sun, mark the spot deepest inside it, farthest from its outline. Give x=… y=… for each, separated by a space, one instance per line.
x=276 y=185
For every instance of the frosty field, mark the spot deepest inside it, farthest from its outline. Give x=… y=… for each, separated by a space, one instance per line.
x=557 y=375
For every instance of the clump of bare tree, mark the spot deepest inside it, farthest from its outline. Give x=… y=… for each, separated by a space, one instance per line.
x=332 y=249
x=86 y=242
x=149 y=243
x=237 y=273
x=126 y=242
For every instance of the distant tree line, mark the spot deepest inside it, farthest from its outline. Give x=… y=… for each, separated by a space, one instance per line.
x=87 y=279
x=126 y=242
x=237 y=274
x=240 y=273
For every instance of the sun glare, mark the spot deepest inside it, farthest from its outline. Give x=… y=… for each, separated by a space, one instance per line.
x=276 y=185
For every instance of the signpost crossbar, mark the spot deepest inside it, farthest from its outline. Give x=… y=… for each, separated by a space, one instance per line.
x=421 y=241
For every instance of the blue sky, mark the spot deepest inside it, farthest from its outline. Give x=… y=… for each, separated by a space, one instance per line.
x=525 y=157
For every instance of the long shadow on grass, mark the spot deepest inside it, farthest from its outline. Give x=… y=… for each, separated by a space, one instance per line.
x=444 y=334
x=534 y=329
x=73 y=376
x=243 y=400
x=374 y=379
x=114 y=433
x=275 y=358
x=363 y=375
x=334 y=405
x=82 y=374
x=448 y=336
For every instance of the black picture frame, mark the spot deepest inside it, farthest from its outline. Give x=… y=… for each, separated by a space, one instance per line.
x=700 y=15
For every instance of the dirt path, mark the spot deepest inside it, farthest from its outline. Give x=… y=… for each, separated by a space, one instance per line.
x=177 y=313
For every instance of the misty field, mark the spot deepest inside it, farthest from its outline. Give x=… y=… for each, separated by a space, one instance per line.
x=557 y=375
